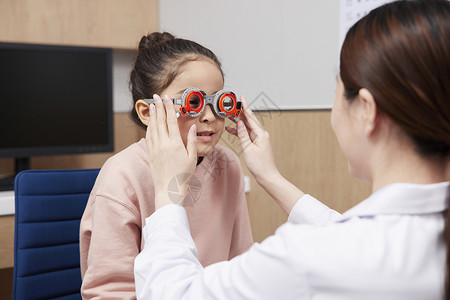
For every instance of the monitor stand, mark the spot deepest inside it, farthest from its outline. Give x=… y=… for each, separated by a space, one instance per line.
x=21 y=164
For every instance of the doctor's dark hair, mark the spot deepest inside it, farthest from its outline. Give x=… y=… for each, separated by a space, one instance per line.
x=400 y=52
x=159 y=61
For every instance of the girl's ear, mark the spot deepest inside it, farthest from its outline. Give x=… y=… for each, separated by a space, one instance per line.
x=142 y=110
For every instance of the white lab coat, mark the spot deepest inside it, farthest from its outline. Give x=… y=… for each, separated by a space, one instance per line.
x=390 y=246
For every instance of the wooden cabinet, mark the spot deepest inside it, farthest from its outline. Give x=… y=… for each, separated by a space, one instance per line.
x=117 y=24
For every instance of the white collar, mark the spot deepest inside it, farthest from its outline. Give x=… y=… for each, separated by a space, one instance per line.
x=402 y=198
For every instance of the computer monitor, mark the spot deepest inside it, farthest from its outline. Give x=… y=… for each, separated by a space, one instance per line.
x=54 y=100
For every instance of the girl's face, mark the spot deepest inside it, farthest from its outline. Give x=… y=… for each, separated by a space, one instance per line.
x=206 y=76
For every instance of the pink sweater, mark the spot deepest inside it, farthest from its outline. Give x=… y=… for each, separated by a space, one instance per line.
x=110 y=231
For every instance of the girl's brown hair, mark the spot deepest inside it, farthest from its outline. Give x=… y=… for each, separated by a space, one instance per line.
x=158 y=62
x=400 y=52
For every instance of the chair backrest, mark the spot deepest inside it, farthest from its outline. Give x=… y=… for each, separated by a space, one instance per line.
x=49 y=207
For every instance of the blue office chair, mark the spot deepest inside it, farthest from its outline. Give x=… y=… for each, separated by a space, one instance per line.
x=49 y=206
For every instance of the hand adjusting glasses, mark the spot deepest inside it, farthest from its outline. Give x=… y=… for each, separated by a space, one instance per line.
x=193 y=102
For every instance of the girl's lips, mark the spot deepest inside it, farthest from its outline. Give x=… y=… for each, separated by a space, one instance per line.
x=205 y=136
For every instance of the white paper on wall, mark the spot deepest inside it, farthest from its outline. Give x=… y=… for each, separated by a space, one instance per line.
x=350 y=11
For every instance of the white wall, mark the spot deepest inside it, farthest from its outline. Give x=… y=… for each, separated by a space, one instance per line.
x=279 y=54
x=122 y=63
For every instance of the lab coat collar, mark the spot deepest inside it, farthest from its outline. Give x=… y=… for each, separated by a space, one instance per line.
x=401 y=199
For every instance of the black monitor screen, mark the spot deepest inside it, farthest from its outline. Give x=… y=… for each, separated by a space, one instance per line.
x=55 y=100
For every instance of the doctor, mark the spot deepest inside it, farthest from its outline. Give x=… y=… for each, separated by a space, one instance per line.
x=391 y=116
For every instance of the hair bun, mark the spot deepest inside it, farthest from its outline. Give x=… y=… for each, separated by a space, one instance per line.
x=154 y=39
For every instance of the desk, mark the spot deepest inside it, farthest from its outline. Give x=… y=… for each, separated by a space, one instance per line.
x=6 y=229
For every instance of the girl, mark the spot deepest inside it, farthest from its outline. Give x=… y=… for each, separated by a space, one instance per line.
x=391 y=118
x=123 y=195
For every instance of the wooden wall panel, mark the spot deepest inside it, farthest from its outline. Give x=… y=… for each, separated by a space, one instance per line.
x=104 y=23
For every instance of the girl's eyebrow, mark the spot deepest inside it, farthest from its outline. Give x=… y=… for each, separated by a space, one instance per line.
x=181 y=92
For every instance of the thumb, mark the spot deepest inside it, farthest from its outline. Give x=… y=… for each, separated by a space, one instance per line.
x=192 y=143
x=243 y=134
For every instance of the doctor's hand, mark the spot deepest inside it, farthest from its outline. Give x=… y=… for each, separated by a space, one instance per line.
x=257 y=149
x=169 y=159
x=256 y=146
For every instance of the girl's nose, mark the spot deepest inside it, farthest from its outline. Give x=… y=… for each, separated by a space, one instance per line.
x=207 y=115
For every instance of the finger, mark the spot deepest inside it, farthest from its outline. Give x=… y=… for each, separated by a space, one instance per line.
x=244 y=102
x=250 y=119
x=231 y=130
x=234 y=131
x=247 y=114
x=253 y=136
x=241 y=117
x=191 y=146
x=160 y=118
x=172 y=124
x=233 y=119
x=151 y=134
x=243 y=134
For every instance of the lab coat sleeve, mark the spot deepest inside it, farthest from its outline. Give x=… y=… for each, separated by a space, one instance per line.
x=168 y=267
x=309 y=210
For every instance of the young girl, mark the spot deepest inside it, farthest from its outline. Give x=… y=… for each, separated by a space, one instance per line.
x=123 y=195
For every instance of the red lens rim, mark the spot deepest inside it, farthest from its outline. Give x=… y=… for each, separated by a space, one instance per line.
x=221 y=108
x=188 y=98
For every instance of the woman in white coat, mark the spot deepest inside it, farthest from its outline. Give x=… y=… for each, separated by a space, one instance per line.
x=391 y=116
